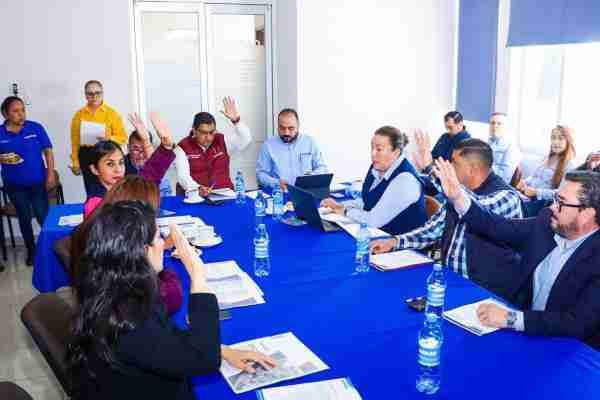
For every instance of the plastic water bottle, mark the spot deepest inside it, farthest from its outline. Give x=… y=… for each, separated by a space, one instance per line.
x=262 y=266
x=430 y=349
x=240 y=188
x=362 y=249
x=278 y=210
x=260 y=206
x=436 y=293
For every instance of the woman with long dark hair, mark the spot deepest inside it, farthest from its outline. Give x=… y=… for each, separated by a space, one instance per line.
x=124 y=346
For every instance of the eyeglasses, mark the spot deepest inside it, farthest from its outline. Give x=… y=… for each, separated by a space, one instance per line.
x=561 y=204
x=93 y=94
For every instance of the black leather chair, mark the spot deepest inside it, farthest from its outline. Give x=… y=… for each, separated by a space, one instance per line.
x=10 y=391
x=48 y=317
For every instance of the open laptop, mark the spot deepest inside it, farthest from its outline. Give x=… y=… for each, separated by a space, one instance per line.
x=318 y=185
x=306 y=208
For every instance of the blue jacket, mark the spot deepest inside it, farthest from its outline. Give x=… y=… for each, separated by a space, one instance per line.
x=411 y=217
x=573 y=307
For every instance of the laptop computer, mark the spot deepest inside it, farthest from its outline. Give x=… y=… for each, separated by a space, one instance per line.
x=306 y=208
x=318 y=185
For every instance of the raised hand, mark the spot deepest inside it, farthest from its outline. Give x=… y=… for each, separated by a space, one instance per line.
x=422 y=156
x=450 y=185
x=140 y=127
x=230 y=109
x=162 y=130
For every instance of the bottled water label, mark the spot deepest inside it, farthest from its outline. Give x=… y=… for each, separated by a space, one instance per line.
x=435 y=295
x=429 y=352
x=261 y=248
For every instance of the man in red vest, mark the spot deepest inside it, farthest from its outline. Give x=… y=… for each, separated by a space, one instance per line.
x=202 y=158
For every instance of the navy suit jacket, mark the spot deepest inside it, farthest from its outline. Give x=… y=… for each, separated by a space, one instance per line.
x=573 y=307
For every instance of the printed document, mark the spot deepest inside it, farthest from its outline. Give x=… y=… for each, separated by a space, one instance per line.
x=399 y=259
x=466 y=317
x=90 y=132
x=334 y=389
x=70 y=220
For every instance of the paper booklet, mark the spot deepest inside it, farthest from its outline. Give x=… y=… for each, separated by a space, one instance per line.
x=293 y=359
x=353 y=229
x=90 y=132
x=70 y=220
x=466 y=317
x=399 y=259
x=333 y=389
x=222 y=194
x=348 y=224
x=232 y=286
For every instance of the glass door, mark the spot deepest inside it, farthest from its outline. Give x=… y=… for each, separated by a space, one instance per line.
x=190 y=56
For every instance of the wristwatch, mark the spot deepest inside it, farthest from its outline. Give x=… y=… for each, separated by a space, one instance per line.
x=511 y=319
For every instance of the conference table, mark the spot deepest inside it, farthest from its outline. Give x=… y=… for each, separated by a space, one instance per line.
x=358 y=325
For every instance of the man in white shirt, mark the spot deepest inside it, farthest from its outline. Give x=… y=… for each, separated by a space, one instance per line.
x=507 y=155
x=202 y=158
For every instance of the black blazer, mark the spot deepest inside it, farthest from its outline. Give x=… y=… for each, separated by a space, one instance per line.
x=573 y=307
x=157 y=360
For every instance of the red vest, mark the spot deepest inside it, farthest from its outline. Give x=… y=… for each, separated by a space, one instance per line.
x=210 y=167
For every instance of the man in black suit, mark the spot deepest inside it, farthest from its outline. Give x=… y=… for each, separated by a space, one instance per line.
x=559 y=291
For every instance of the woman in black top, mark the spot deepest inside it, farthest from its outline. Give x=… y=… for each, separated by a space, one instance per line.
x=124 y=346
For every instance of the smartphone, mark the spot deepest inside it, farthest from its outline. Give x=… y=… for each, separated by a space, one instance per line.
x=417 y=303
x=210 y=202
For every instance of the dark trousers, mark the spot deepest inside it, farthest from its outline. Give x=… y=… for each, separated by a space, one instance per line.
x=29 y=201
x=86 y=158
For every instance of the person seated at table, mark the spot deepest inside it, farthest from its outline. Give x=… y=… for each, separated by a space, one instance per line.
x=558 y=291
x=289 y=155
x=108 y=164
x=592 y=162
x=547 y=176
x=139 y=150
x=463 y=250
x=123 y=344
x=202 y=158
x=507 y=155
x=131 y=187
x=445 y=145
x=392 y=193
x=24 y=145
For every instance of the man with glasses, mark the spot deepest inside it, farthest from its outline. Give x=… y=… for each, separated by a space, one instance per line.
x=558 y=290
x=202 y=158
x=289 y=155
x=94 y=122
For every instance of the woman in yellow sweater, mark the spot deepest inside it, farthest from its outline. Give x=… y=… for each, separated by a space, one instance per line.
x=92 y=123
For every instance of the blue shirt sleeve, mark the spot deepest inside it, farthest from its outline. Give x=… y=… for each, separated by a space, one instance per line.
x=42 y=136
x=318 y=163
x=264 y=171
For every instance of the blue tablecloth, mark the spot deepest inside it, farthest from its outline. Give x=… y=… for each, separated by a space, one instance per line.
x=359 y=325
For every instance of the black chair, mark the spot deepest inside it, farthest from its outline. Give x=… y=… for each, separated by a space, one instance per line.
x=11 y=391
x=48 y=317
x=7 y=211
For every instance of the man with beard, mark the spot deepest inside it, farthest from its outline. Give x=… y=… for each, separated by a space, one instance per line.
x=559 y=290
x=289 y=155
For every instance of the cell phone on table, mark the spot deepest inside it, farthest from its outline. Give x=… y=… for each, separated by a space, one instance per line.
x=417 y=303
x=210 y=202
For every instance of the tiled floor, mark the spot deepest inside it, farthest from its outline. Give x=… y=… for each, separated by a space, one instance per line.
x=20 y=360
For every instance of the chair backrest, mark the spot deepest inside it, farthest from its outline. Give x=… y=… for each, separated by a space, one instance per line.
x=431 y=206
x=516 y=178
x=48 y=317
x=10 y=391
x=62 y=248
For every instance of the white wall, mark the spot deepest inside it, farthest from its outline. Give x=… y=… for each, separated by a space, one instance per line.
x=362 y=65
x=52 y=48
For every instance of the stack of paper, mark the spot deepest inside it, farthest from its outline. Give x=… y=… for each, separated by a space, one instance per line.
x=70 y=220
x=353 y=228
x=334 y=389
x=232 y=286
x=466 y=317
x=293 y=360
x=222 y=194
x=186 y=223
x=399 y=259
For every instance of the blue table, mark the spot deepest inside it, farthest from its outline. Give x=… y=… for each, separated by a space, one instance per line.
x=359 y=325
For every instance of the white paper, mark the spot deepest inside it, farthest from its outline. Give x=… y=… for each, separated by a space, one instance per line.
x=293 y=359
x=222 y=194
x=234 y=290
x=90 y=132
x=353 y=229
x=398 y=259
x=337 y=219
x=334 y=389
x=335 y=187
x=70 y=220
x=178 y=220
x=466 y=317
x=252 y=195
x=221 y=270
